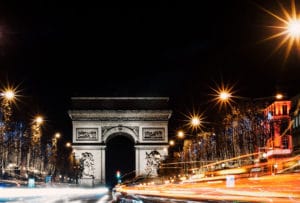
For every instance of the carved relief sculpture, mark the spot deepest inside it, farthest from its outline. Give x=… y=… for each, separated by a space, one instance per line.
x=153 y=161
x=87 y=165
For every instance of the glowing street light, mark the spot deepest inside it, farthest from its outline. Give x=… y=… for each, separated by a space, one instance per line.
x=37 y=160
x=36 y=128
x=68 y=145
x=279 y=96
x=224 y=95
x=172 y=142
x=293 y=28
x=55 y=138
x=57 y=135
x=288 y=29
x=39 y=120
x=180 y=134
x=195 y=121
x=53 y=160
x=7 y=97
x=8 y=94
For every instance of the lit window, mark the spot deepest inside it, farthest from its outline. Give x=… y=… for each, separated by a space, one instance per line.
x=285 y=142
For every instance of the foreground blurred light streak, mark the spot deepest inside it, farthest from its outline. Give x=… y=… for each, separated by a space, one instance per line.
x=273 y=188
x=50 y=193
x=104 y=199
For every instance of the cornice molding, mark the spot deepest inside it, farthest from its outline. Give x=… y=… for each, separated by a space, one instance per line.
x=120 y=115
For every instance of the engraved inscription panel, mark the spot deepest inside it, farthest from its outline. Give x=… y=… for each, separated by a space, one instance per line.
x=86 y=134
x=153 y=134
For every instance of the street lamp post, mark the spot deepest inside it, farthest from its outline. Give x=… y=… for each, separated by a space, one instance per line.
x=189 y=155
x=74 y=167
x=196 y=124
x=36 y=156
x=54 y=154
x=8 y=97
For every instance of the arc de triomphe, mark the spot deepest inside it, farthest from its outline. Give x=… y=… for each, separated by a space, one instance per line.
x=96 y=120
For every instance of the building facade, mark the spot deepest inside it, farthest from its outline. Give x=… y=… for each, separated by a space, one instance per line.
x=98 y=120
x=279 y=121
x=295 y=114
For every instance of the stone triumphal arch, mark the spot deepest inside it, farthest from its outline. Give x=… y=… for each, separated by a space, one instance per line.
x=97 y=120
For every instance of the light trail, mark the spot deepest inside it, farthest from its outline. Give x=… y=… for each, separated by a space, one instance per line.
x=49 y=194
x=274 y=188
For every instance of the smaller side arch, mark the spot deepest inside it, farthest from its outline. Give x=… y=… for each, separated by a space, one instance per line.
x=120 y=129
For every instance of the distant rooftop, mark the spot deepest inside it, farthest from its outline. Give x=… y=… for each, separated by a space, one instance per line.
x=120 y=103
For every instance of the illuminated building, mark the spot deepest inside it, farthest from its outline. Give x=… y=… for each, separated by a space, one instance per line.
x=278 y=117
x=295 y=113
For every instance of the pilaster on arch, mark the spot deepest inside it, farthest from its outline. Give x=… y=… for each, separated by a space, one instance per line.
x=131 y=132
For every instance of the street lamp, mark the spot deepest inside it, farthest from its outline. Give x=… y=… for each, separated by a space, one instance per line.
x=172 y=142
x=180 y=134
x=293 y=28
x=75 y=163
x=37 y=158
x=279 y=96
x=39 y=120
x=8 y=97
x=57 y=135
x=54 y=153
x=287 y=28
x=9 y=94
x=36 y=129
x=68 y=145
x=195 y=121
x=223 y=95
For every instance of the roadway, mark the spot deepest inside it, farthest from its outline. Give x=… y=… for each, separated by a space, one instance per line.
x=54 y=194
x=273 y=188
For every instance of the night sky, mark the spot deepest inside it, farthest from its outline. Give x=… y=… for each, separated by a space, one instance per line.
x=53 y=50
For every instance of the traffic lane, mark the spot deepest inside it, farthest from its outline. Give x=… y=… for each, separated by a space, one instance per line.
x=278 y=188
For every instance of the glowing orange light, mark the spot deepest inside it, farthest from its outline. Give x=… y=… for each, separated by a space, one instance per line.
x=68 y=144
x=288 y=29
x=57 y=135
x=9 y=95
x=279 y=96
x=39 y=120
x=294 y=28
x=180 y=134
x=223 y=95
x=195 y=121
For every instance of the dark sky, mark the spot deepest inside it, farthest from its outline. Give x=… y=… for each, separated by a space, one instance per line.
x=53 y=51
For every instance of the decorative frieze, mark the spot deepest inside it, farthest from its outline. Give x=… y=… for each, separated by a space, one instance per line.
x=120 y=115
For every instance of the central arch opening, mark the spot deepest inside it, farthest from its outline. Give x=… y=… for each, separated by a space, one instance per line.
x=120 y=156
